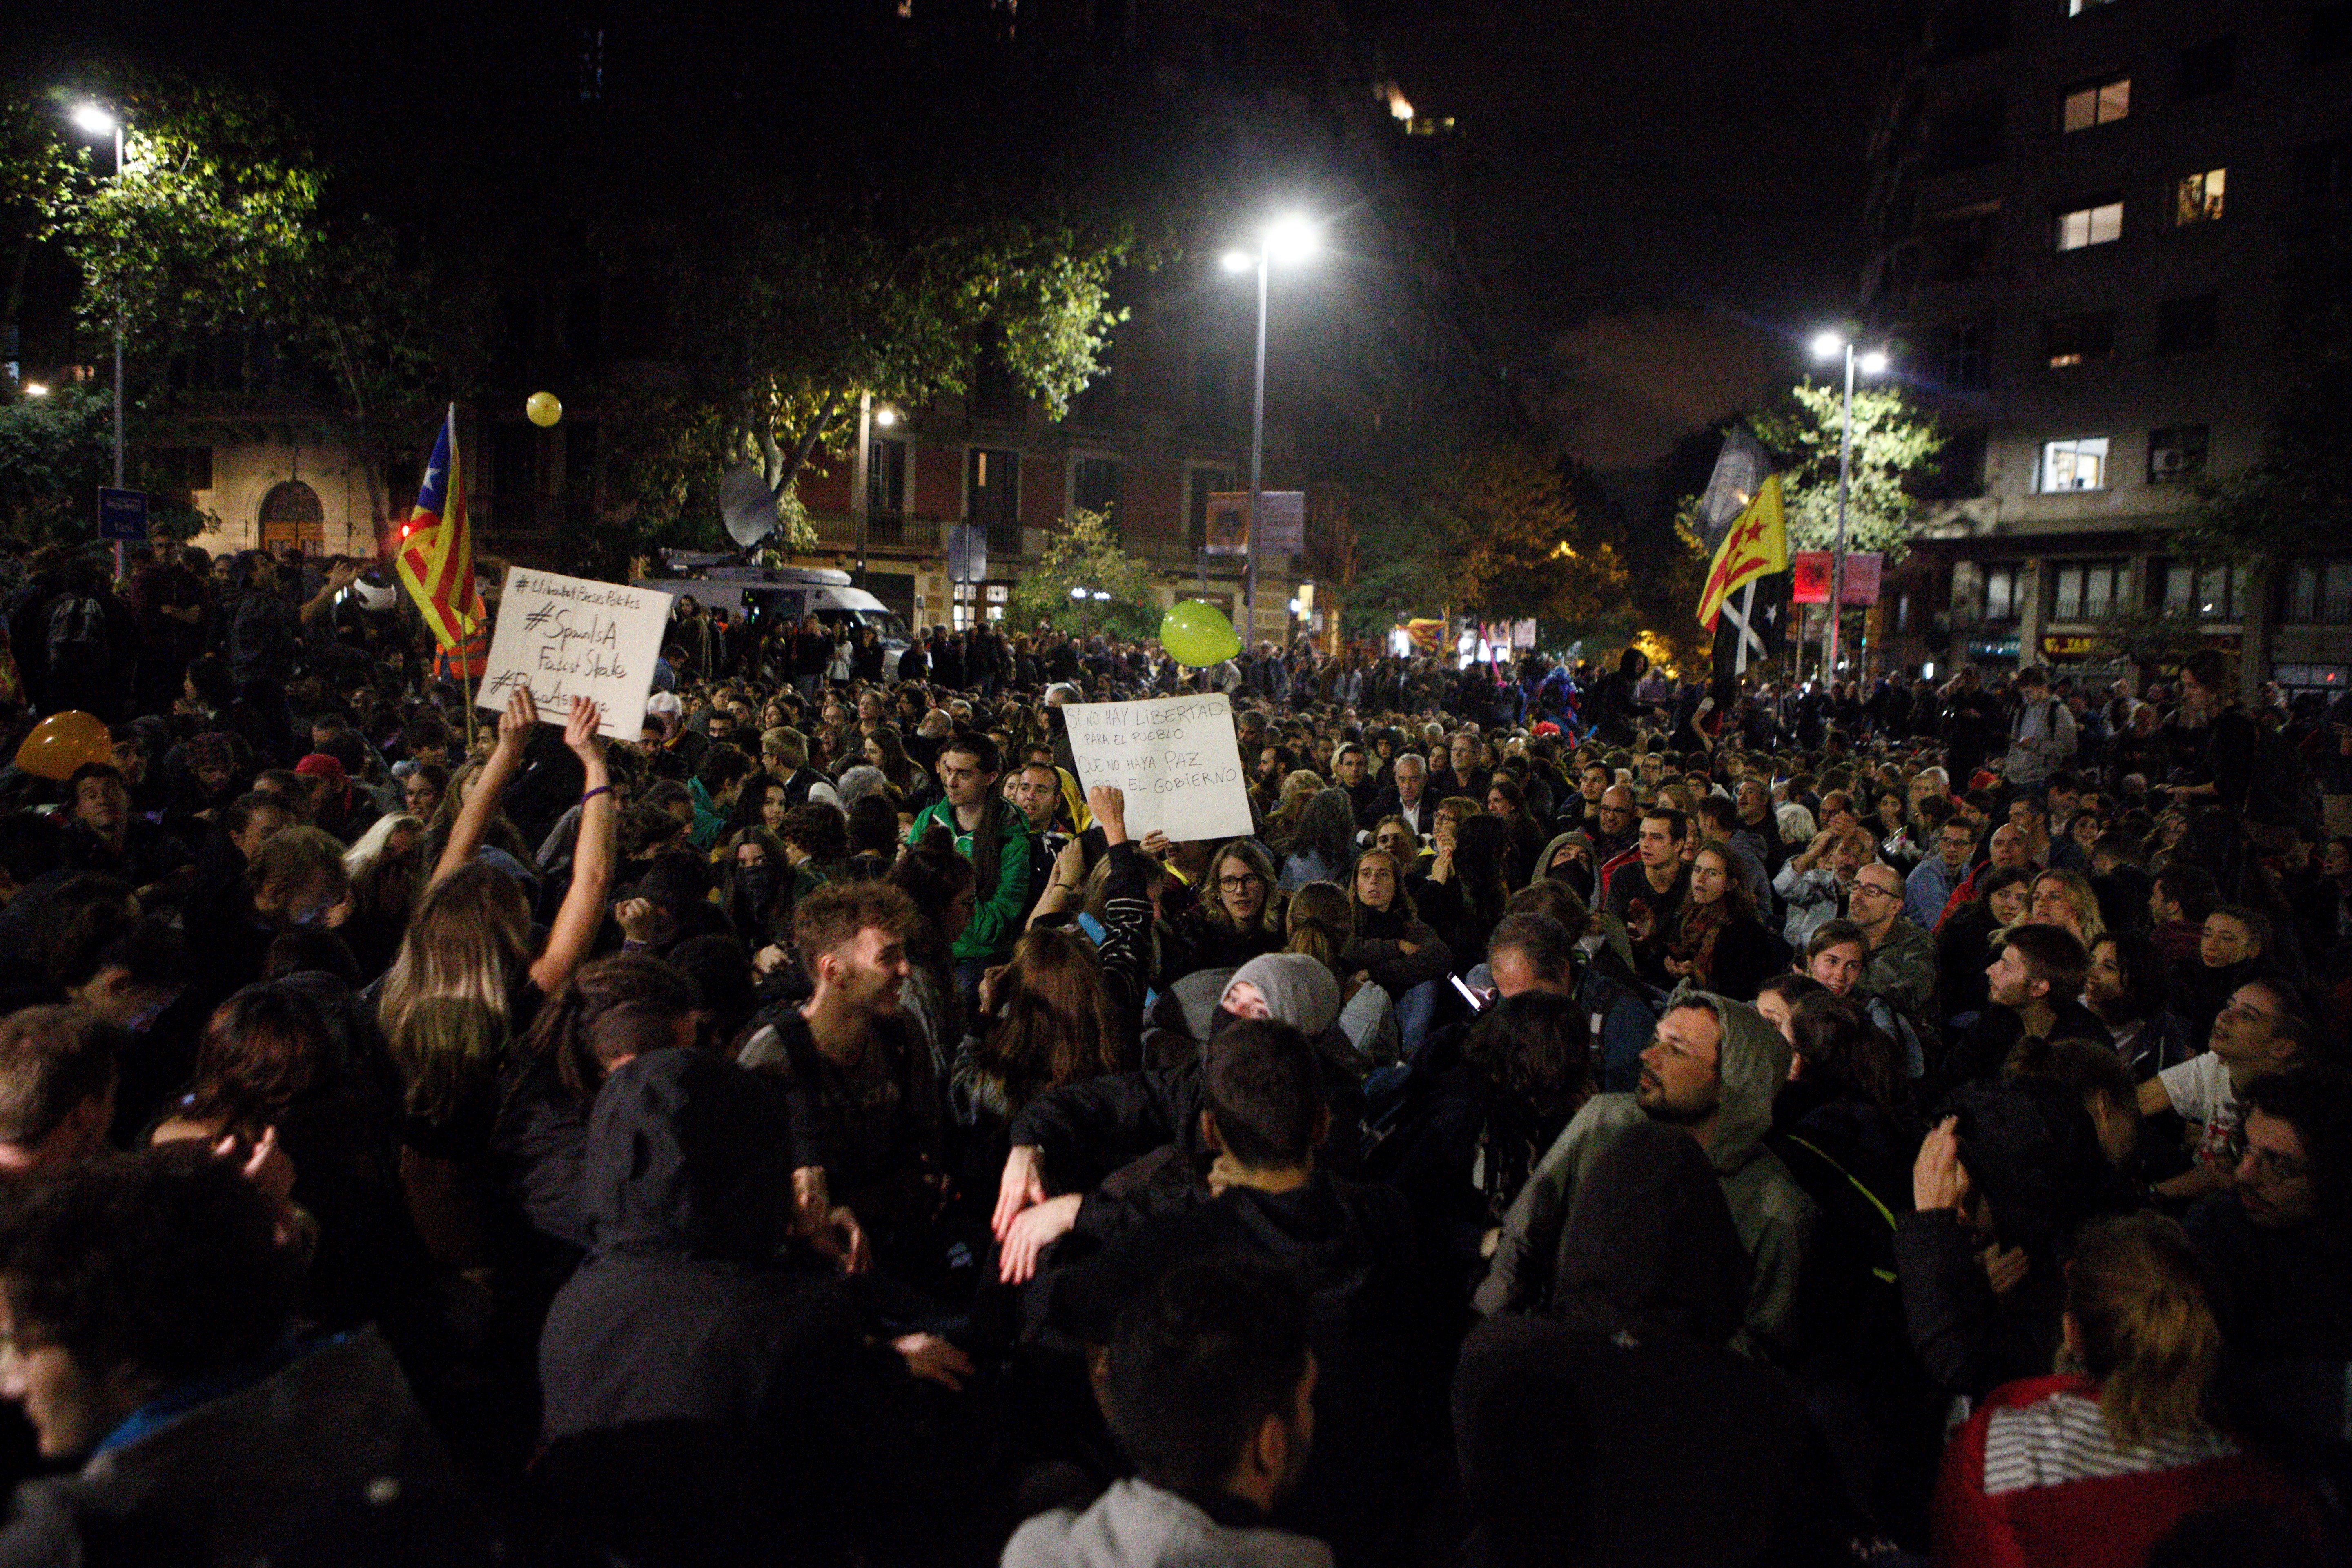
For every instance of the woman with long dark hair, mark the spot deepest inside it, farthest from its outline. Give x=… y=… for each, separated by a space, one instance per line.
x=1718 y=943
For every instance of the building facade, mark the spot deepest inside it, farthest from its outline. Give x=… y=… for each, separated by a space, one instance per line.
x=2083 y=214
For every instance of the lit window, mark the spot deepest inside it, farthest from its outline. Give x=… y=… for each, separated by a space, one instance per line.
x=2094 y=104
x=2079 y=463
x=2196 y=198
x=2076 y=7
x=2099 y=225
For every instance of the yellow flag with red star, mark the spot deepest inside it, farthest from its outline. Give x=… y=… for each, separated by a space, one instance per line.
x=1755 y=545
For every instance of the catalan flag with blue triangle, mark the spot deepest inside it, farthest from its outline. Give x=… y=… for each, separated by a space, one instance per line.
x=436 y=559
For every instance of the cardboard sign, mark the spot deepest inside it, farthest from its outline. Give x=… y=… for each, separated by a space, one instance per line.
x=1175 y=757
x=567 y=636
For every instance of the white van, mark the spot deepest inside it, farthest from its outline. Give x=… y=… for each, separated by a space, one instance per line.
x=766 y=595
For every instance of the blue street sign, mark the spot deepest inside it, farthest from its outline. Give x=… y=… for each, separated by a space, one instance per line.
x=122 y=514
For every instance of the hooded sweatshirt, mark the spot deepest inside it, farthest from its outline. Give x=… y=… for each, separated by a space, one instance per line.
x=678 y=1313
x=1772 y=1213
x=1626 y=1432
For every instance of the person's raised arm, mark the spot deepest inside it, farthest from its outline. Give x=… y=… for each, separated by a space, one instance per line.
x=582 y=913
x=339 y=578
x=473 y=824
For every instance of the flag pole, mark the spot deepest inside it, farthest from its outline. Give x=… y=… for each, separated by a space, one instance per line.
x=465 y=657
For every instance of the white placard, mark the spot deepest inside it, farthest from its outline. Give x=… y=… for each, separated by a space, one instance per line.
x=1175 y=757
x=568 y=637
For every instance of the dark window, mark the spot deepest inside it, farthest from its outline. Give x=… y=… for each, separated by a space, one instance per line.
x=2209 y=592
x=1201 y=484
x=995 y=392
x=1966 y=135
x=2004 y=597
x=2082 y=338
x=2320 y=592
x=1096 y=404
x=2187 y=326
x=403 y=477
x=1963 y=352
x=1958 y=471
x=1093 y=485
x=2177 y=451
x=2206 y=68
x=1212 y=388
x=2328 y=37
x=993 y=496
x=1962 y=244
x=2323 y=170
x=885 y=478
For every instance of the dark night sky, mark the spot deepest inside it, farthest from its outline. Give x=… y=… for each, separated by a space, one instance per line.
x=1669 y=193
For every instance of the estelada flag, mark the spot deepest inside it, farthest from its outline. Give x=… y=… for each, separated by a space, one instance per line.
x=436 y=559
x=1756 y=543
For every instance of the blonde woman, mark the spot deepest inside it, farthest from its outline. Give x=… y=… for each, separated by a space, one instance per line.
x=2065 y=898
x=466 y=982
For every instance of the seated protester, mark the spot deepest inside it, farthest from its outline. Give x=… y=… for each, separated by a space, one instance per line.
x=2092 y=1073
x=1471 y=1132
x=1393 y=947
x=1843 y=1126
x=1813 y=883
x=706 y=1391
x=1567 y=859
x=467 y=982
x=269 y=1078
x=940 y=881
x=1717 y=942
x=2229 y=953
x=2008 y=847
x=1047 y=1019
x=149 y=1300
x=2180 y=898
x=202 y=774
x=2092 y=1467
x=1932 y=882
x=995 y=838
x=2258 y=1032
x=1318 y=847
x=1208 y=1384
x=1711 y=1072
x=1464 y=892
x=104 y=834
x=2000 y=1183
x=2032 y=988
x=1648 y=893
x=1320 y=923
x=713 y=790
x=340 y=808
x=1777 y=999
x=1898 y=983
x=1232 y=918
x=2277 y=1245
x=612 y=1010
x=57 y=1088
x=128 y=974
x=1969 y=939
x=2124 y=989
x=1351 y=1245
x=1620 y=1427
x=1088 y=1131
x=817 y=842
x=867 y=1109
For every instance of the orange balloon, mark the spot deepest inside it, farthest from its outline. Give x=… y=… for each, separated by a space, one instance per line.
x=62 y=742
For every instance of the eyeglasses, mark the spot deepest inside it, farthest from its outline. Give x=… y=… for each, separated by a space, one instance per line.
x=1242 y=883
x=1874 y=890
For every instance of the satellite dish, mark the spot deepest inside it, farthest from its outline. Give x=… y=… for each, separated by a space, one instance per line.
x=748 y=505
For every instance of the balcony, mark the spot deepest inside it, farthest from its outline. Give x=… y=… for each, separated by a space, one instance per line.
x=914 y=535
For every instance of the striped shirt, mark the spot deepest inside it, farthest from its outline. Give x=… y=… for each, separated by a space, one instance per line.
x=2062 y=1439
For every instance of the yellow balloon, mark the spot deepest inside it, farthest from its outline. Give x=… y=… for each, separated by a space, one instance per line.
x=543 y=408
x=62 y=742
x=1197 y=635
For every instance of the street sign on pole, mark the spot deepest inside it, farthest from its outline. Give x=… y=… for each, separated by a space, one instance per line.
x=967 y=552
x=122 y=514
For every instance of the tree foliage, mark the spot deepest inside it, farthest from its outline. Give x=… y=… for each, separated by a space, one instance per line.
x=1082 y=559
x=1894 y=446
x=55 y=452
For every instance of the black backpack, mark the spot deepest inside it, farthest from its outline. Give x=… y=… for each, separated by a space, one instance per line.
x=77 y=633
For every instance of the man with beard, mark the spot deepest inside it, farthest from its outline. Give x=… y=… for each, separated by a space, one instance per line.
x=1712 y=1070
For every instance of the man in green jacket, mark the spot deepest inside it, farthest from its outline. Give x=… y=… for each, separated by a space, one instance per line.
x=1711 y=1070
x=995 y=838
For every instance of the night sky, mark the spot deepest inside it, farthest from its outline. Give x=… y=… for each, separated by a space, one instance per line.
x=1670 y=193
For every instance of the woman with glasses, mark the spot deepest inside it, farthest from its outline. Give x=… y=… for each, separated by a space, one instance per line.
x=1236 y=918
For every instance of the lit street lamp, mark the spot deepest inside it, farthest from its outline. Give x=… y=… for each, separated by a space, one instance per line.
x=1828 y=345
x=1290 y=239
x=95 y=119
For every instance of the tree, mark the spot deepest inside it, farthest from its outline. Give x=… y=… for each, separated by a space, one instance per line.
x=1893 y=448
x=55 y=452
x=2150 y=638
x=1086 y=584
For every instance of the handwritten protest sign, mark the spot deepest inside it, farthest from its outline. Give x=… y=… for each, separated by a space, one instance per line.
x=1175 y=757
x=567 y=636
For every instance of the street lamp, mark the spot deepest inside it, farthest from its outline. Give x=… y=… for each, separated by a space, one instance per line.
x=95 y=119
x=1290 y=239
x=1828 y=345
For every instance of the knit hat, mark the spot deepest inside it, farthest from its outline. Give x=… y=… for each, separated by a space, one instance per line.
x=213 y=749
x=1299 y=990
x=318 y=765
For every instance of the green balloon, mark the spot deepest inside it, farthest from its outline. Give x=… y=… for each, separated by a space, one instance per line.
x=1197 y=635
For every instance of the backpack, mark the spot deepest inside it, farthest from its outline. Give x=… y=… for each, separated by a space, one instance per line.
x=77 y=633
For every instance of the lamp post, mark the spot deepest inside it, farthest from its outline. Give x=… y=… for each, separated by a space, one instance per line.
x=1827 y=345
x=97 y=119
x=1291 y=237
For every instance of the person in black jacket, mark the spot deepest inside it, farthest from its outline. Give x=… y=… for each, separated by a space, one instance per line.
x=1623 y=1430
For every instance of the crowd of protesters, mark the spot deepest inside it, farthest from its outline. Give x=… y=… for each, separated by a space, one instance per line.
x=1591 y=1118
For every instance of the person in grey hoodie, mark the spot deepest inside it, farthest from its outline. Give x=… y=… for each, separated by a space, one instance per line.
x=1712 y=1070
x=1208 y=1384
